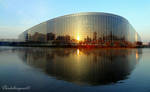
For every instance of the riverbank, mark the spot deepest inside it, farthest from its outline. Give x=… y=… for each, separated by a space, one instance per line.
x=40 y=44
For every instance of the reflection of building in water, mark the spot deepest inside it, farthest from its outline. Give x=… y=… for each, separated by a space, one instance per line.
x=84 y=66
x=89 y=28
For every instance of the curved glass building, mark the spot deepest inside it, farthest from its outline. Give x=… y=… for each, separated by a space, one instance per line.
x=88 y=28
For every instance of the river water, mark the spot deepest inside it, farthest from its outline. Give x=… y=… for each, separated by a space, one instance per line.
x=34 y=69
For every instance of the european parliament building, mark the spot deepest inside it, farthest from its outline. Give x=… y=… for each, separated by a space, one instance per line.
x=87 y=28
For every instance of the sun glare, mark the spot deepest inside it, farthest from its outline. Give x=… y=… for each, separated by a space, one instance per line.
x=78 y=37
x=78 y=52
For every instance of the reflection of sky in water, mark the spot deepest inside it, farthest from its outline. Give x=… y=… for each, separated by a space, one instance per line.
x=68 y=69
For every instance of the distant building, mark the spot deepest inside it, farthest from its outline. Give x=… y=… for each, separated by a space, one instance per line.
x=95 y=36
x=51 y=36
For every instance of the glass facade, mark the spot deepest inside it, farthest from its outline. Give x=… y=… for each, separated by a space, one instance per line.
x=91 y=28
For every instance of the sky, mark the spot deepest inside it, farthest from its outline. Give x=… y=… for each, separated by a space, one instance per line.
x=17 y=16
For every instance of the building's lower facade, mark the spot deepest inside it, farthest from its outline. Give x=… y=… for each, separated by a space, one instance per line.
x=89 y=28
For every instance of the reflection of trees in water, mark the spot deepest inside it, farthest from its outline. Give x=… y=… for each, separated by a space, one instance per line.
x=88 y=66
x=104 y=40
